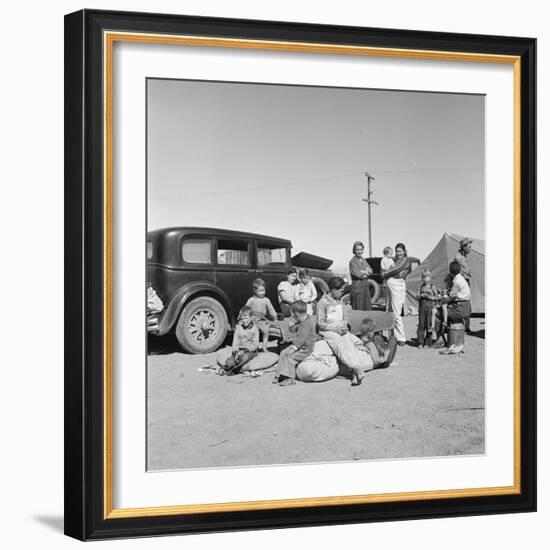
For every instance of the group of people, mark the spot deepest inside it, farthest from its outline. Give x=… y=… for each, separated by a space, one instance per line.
x=298 y=286
x=450 y=304
x=321 y=346
x=394 y=270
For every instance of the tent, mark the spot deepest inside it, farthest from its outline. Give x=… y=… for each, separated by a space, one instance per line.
x=438 y=263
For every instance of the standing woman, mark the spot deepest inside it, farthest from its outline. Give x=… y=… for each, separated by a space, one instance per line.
x=360 y=270
x=395 y=278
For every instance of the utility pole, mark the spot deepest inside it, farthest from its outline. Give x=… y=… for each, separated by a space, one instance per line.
x=369 y=202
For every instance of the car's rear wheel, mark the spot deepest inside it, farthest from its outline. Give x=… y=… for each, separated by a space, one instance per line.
x=202 y=325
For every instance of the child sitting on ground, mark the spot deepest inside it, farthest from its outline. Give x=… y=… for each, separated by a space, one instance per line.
x=427 y=300
x=302 y=340
x=386 y=263
x=262 y=310
x=379 y=348
x=366 y=335
x=307 y=291
x=245 y=343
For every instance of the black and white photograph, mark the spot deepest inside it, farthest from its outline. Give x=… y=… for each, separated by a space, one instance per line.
x=300 y=275
x=315 y=274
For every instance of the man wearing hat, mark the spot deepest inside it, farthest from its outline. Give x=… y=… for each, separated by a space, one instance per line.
x=462 y=258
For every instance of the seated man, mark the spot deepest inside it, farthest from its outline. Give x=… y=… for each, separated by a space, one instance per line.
x=332 y=321
x=332 y=313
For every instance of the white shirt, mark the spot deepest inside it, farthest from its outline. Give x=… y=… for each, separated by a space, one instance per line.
x=307 y=292
x=287 y=292
x=386 y=263
x=460 y=289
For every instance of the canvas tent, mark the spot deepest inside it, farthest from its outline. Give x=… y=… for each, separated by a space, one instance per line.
x=438 y=263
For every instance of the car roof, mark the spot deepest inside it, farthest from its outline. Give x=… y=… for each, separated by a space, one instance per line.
x=187 y=230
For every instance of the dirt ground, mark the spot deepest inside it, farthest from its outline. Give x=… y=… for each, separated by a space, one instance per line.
x=426 y=405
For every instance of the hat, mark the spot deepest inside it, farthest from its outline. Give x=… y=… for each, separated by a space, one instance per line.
x=464 y=242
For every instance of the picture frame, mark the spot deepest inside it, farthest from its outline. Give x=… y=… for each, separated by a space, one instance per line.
x=90 y=205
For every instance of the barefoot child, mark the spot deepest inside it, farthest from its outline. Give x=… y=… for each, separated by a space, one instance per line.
x=386 y=263
x=306 y=290
x=262 y=310
x=302 y=341
x=245 y=343
x=427 y=300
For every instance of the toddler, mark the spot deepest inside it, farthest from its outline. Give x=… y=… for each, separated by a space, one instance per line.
x=307 y=291
x=386 y=263
x=262 y=310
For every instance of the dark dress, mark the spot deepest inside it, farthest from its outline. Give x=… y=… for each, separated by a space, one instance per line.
x=360 y=291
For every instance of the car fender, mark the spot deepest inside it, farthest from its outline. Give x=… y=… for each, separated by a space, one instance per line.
x=184 y=294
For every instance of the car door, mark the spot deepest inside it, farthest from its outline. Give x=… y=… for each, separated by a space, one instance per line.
x=234 y=269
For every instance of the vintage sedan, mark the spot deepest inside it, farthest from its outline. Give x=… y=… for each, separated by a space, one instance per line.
x=204 y=276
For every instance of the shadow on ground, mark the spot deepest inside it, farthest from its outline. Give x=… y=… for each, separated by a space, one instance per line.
x=168 y=344
x=55 y=523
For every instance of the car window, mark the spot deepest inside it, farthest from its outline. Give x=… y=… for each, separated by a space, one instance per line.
x=233 y=252
x=196 y=251
x=271 y=254
x=149 y=250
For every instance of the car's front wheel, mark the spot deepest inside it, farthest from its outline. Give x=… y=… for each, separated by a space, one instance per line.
x=202 y=325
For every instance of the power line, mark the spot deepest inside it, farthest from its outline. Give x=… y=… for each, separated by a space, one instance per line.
x=261 y=187
x=317 y=180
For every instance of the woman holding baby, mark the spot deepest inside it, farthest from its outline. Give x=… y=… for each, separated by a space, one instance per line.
x=395 y=279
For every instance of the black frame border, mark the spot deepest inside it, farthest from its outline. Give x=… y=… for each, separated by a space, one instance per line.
x=84 y=254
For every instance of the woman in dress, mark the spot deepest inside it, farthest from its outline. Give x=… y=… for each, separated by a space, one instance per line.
x=395 y=279
x=287 y=291
x=360 y=270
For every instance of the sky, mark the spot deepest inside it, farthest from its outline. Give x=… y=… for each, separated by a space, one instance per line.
x=290 y=161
